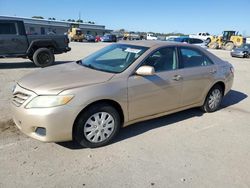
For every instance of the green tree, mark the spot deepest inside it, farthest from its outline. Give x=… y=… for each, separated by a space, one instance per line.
x=79 y=21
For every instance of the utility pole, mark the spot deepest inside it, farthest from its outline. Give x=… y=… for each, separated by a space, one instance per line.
x=79 y=15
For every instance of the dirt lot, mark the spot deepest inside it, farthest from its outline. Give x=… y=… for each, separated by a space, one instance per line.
x=186 y=149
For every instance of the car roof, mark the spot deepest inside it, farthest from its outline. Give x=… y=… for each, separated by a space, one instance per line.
x=153 y=43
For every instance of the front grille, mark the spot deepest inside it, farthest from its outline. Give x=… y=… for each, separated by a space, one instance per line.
x=19 y=98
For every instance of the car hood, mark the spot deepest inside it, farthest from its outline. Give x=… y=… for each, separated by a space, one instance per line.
x=53 y=80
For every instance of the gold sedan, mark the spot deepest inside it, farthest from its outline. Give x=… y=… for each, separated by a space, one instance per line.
x=91 y=99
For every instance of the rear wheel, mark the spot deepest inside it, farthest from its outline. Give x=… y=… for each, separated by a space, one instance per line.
x=97 y=126
x=229 y=46
x=208 y=40
x=43 y=57
x=213 y=99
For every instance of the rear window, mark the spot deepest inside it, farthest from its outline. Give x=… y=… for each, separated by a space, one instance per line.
x=7 y=28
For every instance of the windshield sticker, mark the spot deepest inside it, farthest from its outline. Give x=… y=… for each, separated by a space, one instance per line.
x=132 y=50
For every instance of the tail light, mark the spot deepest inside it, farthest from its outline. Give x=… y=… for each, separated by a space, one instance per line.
x=66 y=40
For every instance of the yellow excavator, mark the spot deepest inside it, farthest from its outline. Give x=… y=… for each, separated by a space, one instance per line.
x=227 y=41
x=75 y=34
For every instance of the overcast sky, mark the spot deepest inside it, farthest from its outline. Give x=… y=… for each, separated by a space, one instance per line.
x=191 y=16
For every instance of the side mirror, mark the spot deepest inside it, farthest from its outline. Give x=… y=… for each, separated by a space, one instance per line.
x=145 y=71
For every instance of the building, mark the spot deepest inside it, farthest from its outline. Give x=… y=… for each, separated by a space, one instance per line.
x=248 y=40
x=44 y=26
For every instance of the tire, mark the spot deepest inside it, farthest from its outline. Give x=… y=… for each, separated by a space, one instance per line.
x=207 y=41
x=92 y=136
x=214 y=45
x=208 y=105
x=43 y=57
x=247 y=55
x=229 y=46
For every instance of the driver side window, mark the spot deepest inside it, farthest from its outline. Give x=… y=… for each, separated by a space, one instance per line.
x=163 y=59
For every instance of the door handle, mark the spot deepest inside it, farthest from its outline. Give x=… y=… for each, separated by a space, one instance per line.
x=177 y=77
x=213 y=71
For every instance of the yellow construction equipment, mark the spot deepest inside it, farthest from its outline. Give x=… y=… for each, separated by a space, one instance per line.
x=227 y=41
x=75 y=34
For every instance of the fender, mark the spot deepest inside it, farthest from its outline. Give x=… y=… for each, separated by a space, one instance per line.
x=41 y=43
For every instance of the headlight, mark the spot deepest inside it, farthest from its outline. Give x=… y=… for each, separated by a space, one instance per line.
x=49 y=101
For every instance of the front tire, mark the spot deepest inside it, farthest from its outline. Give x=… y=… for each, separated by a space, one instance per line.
x=97 y=126
x=43 y=57
x=247 y=55
x=213 y=99
x=213 y=45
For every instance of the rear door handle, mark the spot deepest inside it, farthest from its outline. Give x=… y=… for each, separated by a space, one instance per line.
x=177 y=77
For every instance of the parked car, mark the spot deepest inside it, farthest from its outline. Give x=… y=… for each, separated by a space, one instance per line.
x=98 y=38
x=117 y=86
x=90 y=38
x=203 y=36
x=194 y=41
x=109 y=38
x=14 y=42
x=243 y=51
x=151 y=36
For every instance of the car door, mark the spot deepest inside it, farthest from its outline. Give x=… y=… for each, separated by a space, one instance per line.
x=161 y=92
x=12 y=40
x=198 y=75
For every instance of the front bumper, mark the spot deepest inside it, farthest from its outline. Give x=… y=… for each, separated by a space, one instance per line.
x=56 y=123
x=62 y=50
x=67 y=49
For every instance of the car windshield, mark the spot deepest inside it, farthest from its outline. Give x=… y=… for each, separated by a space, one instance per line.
x=179 y=39
x=78 y=32
x=246 y=46
x=114 y=58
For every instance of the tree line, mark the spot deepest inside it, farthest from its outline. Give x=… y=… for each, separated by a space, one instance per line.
x=69 y=20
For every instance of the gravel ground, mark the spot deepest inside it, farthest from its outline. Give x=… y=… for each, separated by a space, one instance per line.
x=186 y=149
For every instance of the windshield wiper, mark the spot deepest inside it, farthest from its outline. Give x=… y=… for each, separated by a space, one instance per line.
x=80 y=62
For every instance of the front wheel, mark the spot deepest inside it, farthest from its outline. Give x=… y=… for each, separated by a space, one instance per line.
x=213 y=99
x=97 y=126
x=43 y=57
x=213 y=45
x=247 y=55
